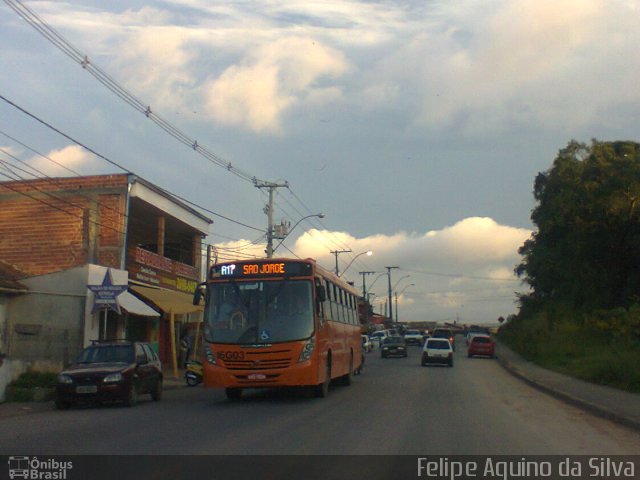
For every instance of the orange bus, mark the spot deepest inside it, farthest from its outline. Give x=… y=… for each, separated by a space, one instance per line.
x=272 y=323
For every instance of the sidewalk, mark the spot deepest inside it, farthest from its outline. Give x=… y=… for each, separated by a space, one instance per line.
x=617 y=405
x=14 y=409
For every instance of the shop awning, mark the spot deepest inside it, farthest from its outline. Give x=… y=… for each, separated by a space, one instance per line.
x=169 y=300
x=135 y=306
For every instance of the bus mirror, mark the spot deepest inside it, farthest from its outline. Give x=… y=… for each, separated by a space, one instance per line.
x=199 y=293
x=321 y=293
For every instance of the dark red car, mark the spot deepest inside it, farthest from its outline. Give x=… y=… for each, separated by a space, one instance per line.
x=481 y=345
x=111 y=371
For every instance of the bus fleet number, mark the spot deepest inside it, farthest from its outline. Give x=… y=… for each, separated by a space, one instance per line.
x=229 y=356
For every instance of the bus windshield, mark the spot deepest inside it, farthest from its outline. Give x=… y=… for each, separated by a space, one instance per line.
x=260 y=312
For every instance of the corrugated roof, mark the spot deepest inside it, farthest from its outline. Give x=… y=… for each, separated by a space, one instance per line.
x=9 y=276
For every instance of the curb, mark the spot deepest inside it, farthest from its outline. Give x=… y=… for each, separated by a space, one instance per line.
x=595 y=409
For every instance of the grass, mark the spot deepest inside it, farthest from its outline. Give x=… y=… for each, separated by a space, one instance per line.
x=581 y=349
x=32 y=386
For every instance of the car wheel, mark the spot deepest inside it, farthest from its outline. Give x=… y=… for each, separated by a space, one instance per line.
x=132 y=396
x=451 y=363
x=60 y=405
x=469 y=355
x=156 y=393
x=233 y=393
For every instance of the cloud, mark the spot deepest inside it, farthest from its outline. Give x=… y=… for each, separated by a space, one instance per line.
x=65 y=162
x=466 y=266
x=272 y=79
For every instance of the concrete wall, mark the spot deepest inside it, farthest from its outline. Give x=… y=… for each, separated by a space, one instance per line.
x=47 y=323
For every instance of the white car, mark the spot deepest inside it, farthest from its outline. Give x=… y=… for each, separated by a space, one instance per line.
x=375 y=342
x=437 y=350
x=413 y=337
x=381 y=335
x=367 y=346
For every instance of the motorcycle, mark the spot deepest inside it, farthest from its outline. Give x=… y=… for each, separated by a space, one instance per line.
x=193 y=374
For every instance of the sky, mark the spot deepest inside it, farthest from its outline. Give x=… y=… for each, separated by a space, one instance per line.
x=415 y=127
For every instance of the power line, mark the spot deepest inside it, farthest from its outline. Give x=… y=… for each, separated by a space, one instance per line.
x=68 y=49
x=99 y=155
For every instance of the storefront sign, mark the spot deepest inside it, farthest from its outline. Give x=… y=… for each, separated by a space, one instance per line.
x=106 y=294
x=154 y=269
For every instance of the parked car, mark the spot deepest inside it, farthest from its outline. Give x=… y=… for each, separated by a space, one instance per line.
x=413 y=337
x=111 y=371
x=442 y=332
x=393 y=346
x=367 y=346
x=481 y=345
x=437 y=350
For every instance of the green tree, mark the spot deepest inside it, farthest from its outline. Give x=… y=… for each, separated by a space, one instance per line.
x=586 y=248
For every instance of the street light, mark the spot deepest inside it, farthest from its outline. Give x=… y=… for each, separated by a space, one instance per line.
x=319 y=215
x=374 y=280
x=401 y=291
x=368 y=253
x=399 y=280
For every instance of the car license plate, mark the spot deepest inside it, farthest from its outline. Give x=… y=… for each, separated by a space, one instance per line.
x=257 y=376
x=87 y=389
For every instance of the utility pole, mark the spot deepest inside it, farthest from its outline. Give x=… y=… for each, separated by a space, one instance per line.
x=390 y=297
x=268 y=209
x=364 y=286
x=336 y=253
x=364 y=297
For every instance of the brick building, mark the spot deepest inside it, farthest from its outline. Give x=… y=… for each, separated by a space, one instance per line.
x=66 y=234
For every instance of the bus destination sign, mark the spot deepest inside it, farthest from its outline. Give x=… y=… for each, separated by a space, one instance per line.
x=260 y=269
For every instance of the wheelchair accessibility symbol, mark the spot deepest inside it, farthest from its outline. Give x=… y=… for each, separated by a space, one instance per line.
x=265 y=335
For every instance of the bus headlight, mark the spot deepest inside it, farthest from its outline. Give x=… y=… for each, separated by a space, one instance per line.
x=307 y=350
x=211 y=356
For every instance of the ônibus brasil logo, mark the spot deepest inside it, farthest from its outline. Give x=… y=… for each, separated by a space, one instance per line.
x=36 y=469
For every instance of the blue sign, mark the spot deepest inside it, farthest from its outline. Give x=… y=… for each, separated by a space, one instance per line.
x=106 y=294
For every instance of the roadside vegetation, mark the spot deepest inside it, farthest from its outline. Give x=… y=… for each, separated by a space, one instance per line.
x=582 y=315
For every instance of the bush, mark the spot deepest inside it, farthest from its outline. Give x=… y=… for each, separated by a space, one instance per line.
x=35 y=379
x=600 y=347
x=32 y=387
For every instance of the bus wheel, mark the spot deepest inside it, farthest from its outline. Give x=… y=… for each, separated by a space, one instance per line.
x=233 y=393
x=345 y=380
x=322 y=390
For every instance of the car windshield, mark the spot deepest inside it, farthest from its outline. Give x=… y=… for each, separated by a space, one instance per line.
x=438 y=344
x=260 y=312
x=442 y=334
x=412 y=332
x=107 y=354
x=394 y=340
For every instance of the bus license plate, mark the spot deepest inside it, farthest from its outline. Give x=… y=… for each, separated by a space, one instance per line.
x=257 y=376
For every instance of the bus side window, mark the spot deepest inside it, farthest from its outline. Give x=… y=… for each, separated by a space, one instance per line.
x=329 y=311
x=321 y=297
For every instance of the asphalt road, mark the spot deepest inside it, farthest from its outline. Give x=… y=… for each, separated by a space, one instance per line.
x=396 y=407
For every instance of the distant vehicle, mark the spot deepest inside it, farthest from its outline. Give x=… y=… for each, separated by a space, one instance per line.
x=413 y=337
x=393 y=346
x=437 y=350
x=375 y=342
x=476 y=330
x=380 y=335
x=367 y=346
x=111 y=371
x=447 y=333
x=481 y=345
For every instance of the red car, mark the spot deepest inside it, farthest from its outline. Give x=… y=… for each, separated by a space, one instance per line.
x=481 y=345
